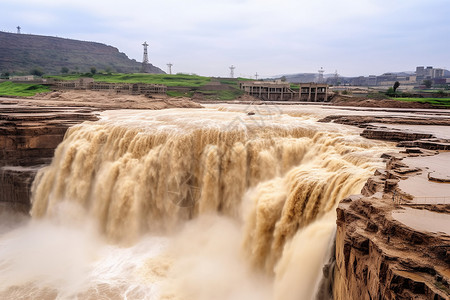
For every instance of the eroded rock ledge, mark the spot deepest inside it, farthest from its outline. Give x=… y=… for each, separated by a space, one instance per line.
x=28 y=138
x=363 y=121
x=378 y=257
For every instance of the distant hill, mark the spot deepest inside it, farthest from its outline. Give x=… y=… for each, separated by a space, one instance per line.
x=20 y=53
x=299 y=78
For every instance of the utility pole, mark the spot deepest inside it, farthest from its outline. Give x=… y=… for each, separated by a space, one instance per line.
x=169 y=65
x=18 y=29
x=145 y=64
x=256 y=75
x=232 y=71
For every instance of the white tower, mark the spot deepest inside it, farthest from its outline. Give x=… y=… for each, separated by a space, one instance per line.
x=145 y=64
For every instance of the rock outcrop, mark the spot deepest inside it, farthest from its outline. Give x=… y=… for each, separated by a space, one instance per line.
x=378 y=257
x=391 y=134
x=364 y=121
x=28 y=138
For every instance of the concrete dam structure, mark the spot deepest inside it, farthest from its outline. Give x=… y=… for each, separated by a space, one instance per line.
x=282 y=91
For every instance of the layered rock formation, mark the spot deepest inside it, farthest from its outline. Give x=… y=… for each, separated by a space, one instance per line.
x=379 y=257
x=364 y=121
x=28 y=137
x=376 y=255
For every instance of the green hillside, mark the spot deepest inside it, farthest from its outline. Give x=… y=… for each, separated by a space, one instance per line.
x=168 y=80
x=20 y=53
x=179 y=85
x=8 y=88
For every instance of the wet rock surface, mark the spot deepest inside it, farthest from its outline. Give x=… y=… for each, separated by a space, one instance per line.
x=364 y=121
x=377 y=255
x=28 y=138
x=390 y=134
x=407 y=138
x=380 y=257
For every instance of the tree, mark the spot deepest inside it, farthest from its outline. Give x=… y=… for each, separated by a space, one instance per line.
x=396 y=85
x=283 y=78
x=93 y=70
x=390 y=92
x=37 y=72
x=64 y=70
x=428 y=83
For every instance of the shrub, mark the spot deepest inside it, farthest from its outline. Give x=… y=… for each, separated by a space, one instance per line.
x=37 y=72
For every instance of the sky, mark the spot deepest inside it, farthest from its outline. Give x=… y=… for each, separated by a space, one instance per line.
x=268 y=37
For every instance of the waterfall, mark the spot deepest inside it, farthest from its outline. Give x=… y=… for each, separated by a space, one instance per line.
x=222 y=192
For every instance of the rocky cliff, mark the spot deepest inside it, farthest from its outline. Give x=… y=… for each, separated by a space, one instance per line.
x=20 y=53
x=379 y=257
x=28 y=137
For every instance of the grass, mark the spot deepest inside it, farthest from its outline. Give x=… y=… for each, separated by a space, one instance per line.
x=295 y=87
x=222 y=94
x=8 y=88
x=234 y=81
x=168 y=80
x=180 y=94
x=179 y=80
x=433 y=101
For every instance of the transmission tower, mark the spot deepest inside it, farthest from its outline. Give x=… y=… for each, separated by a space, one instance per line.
x=321 y=71
x=145 y=64
x=256 y=75
x=232 y=71
x=169 y=65
x=18 y=29
x=336 y=78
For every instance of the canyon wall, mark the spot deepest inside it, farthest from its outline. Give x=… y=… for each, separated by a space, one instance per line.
x=378 y=257
x=28 y=138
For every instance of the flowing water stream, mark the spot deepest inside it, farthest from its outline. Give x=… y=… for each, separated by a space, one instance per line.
x=186 y=204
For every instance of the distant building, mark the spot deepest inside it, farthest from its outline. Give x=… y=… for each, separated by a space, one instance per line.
x=438 y=73
x=313 y=92
x=420 y=71
x=405 y=79
x=23 y=78
x=429 y=72
x=118 y=88
x=372 y=80
x=281 y=91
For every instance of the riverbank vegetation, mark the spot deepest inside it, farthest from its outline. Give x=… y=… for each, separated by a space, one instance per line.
x=8 y=88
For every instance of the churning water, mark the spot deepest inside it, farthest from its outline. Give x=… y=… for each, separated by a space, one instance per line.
x=186 y=204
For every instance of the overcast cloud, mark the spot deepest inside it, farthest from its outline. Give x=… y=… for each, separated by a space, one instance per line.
x=271 y=37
